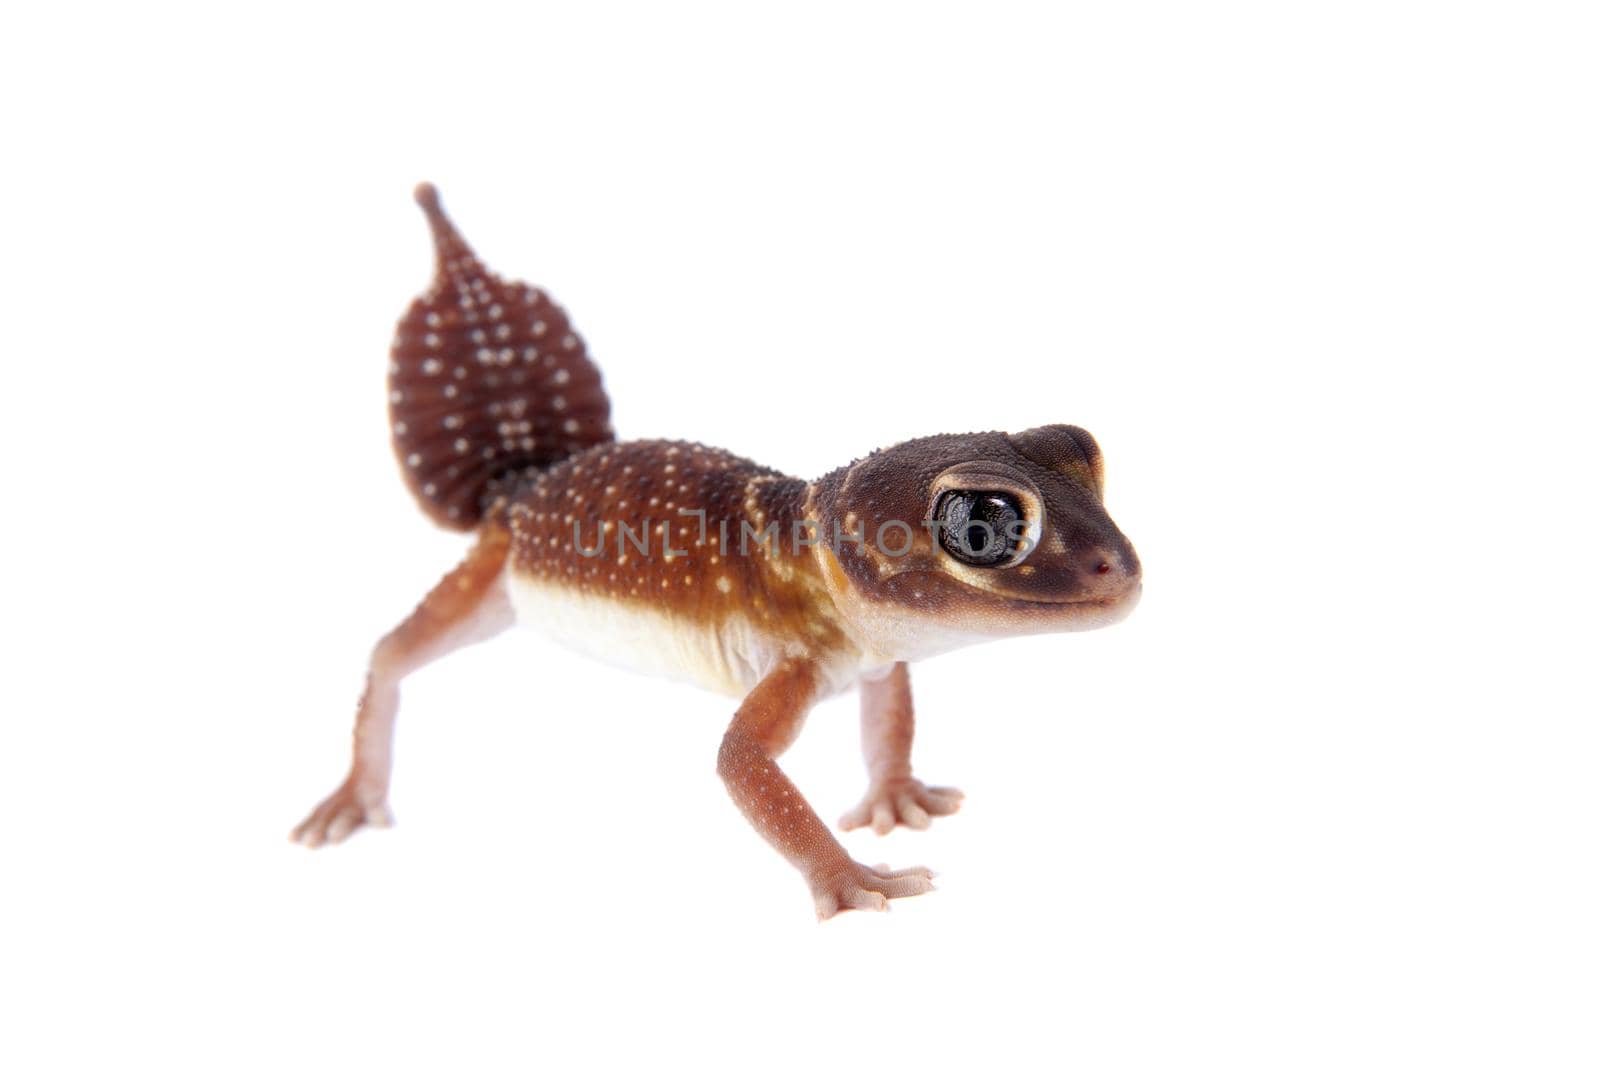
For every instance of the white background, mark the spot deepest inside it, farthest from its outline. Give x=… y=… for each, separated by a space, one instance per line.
x=1321 y=280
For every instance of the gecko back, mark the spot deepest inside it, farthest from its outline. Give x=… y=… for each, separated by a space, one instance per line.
x=487 y=379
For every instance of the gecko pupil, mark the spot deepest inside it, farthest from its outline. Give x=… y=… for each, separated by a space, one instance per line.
x=979 y=528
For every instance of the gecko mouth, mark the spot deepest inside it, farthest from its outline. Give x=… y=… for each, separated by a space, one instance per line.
x=1091 y=611
x=1131 y=595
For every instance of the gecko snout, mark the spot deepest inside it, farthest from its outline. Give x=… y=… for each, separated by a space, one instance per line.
x=1110 y=573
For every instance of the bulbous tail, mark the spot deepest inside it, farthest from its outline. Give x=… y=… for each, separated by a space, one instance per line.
x=487 y=379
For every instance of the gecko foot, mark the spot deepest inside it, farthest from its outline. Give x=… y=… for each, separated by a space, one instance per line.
x=336 y=818
x=901 y=802
x=864 y=888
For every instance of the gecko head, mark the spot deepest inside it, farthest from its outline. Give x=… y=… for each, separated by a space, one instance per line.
x=968 y=536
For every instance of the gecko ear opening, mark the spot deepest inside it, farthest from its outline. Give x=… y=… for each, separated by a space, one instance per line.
x=1068 y=449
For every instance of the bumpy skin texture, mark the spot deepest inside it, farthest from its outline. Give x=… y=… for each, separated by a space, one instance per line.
x=686 y=560
x=684 y=507
x=485 y=376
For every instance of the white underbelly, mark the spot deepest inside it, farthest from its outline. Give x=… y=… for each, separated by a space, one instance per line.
x=729 y=658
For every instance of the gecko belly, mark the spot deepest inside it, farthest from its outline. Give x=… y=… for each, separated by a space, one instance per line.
x=729 y=656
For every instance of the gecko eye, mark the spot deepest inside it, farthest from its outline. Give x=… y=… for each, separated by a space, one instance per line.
x=979 y=527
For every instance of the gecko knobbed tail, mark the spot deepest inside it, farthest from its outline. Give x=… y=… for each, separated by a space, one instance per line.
x=487 y=378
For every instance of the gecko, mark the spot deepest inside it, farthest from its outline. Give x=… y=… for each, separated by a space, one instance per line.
x=689 y=562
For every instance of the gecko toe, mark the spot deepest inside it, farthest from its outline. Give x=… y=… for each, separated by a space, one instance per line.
x=346 y=810
x=868 y=900
x=309 y=836
x=911 y=813
x=908 y=882
x=901 y=802
x=343 y=824
x=858 y=887
x=943 y=800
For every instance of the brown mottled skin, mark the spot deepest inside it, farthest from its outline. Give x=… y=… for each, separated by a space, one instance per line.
x=628 y=482
x=689 y=561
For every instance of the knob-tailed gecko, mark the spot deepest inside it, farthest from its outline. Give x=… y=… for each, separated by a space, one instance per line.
x=688 y=561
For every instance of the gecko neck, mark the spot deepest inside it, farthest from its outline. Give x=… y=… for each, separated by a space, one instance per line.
x=863 y=648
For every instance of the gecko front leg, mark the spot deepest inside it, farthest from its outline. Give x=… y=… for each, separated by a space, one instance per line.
x=764 y=727
x=893 y=797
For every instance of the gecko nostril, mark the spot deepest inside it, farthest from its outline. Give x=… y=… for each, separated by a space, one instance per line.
x=1102 y=568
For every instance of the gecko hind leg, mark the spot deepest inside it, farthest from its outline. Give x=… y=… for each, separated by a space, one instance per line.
x=468 y=606
x=894 y=797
